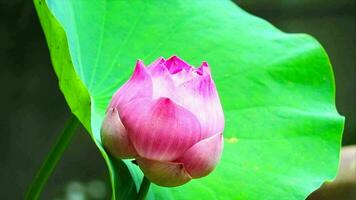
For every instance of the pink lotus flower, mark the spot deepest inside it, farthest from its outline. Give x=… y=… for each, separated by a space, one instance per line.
x=169 y=118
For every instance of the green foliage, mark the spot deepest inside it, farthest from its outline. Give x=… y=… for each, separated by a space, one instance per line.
x=282 y=136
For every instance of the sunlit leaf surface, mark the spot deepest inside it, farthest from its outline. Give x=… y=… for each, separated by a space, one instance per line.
x=282 y=134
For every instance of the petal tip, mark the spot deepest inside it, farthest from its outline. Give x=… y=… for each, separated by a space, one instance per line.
x=159 y=60
x=175 y=64
x=202 y=158
x=139 y=63
x=140 y=70
x=175 y=58
x=114 y=136
x=164 y=101
x=158 y=67
x=167 y=174
x=204 y=69
x=204 y=64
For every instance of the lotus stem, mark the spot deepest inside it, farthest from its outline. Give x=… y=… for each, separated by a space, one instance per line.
x=35 y=189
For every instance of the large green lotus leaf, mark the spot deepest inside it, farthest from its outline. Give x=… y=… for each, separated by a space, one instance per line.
x=282 y=135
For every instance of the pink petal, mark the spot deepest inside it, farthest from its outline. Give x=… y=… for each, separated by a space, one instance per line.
x=114 y=136
x=199 y=96
x=203 y=69
x=174 y=64
x=190 y=73
x=160 y=129
x=138 y=86
x=202 y=158
x=166 y=174
x=163 y=85
x=184 y=76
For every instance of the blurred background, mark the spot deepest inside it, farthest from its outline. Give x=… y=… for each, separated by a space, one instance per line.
x=33 y=109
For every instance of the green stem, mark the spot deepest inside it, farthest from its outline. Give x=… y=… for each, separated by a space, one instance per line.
x=54 y=155
x=145 y=186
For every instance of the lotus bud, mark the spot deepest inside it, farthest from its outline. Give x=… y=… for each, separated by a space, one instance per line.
x=168 y=117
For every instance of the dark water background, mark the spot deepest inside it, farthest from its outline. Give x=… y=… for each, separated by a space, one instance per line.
x=33 y=109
